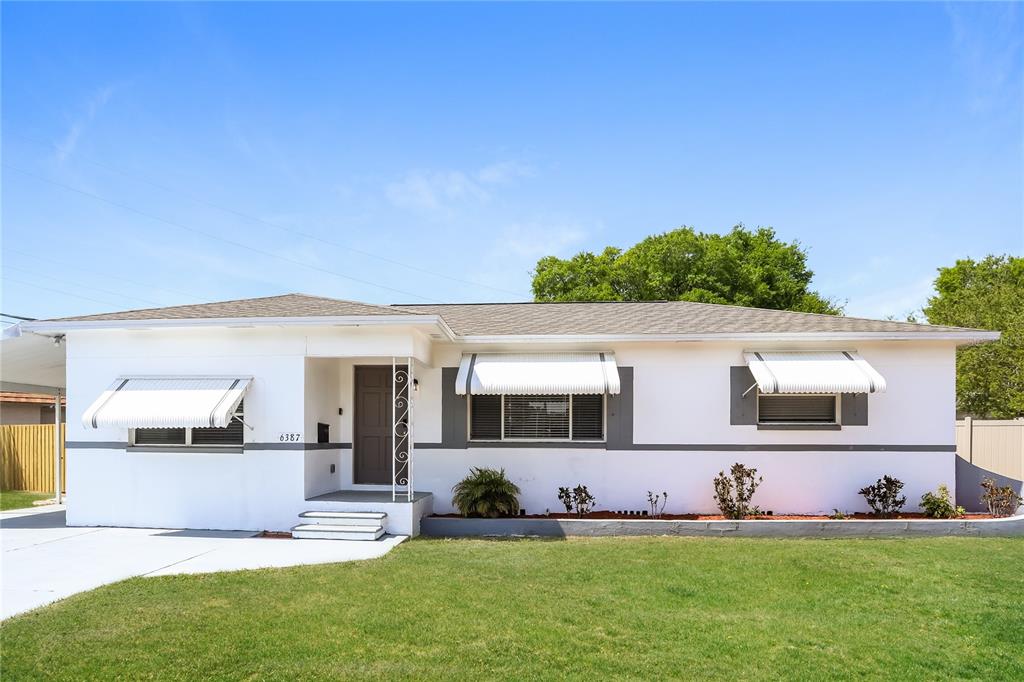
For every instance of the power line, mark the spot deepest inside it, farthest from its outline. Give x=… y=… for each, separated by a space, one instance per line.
x=210 y=235
x=306 y=235
x=8 y=249
x=59 y=291
x=19 y=317
x=76 y=284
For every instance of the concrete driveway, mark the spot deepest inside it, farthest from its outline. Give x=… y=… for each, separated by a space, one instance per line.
x=43 y=560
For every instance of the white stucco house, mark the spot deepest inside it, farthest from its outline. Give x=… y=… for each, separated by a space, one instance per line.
x=245 y=414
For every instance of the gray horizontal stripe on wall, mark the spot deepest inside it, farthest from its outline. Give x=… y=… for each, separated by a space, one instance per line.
x=791 y=447
x=298 y=446
x=542 y=445
x=96 y=445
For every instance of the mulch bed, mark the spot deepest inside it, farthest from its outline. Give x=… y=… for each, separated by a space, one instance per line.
x=275 y=535
x=616 y=516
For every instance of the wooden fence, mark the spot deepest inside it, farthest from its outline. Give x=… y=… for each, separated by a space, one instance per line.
x=26 y=458
x=996 y=445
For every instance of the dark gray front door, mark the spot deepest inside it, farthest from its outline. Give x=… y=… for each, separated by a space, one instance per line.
x=372 y=425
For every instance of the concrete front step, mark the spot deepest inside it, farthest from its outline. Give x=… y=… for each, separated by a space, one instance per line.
x=344 y=518
x=323 y=531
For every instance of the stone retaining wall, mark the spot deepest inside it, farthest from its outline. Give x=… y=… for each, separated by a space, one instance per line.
x=458 y=527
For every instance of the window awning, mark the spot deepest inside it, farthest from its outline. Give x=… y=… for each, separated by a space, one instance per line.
x=537 y=374
x=813 y=372
x=167 y=402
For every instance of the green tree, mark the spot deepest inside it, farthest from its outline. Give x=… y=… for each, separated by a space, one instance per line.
x=987 y=294
x=744 y=267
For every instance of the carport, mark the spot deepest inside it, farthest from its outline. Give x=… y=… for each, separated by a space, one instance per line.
x=36 y=363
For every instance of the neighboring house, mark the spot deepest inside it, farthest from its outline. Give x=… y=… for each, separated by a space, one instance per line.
x=26 y=408
x=243 y=414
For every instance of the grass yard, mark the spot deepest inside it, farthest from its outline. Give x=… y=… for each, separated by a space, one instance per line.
x=586 y=609
x=17 y=499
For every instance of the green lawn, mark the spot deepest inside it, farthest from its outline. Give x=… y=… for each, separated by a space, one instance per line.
x=587 y=609
x=16 y=499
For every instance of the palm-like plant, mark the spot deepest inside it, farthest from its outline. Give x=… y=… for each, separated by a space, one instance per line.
x=486 y=492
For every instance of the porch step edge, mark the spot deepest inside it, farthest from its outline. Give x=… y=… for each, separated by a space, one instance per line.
x=368 y=516
x=316 y=531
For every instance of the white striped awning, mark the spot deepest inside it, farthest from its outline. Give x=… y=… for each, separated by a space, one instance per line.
x=813 y=372
x=537 y=374
x=167 y=402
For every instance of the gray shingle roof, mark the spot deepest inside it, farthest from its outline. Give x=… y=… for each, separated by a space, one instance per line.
x=287 y=305
x=509 y=319
x=646 y=317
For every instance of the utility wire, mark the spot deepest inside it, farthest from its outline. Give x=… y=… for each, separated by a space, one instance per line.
x=85 y=286
x=306 y=235
x=59 y=291
x=7 y=249
x=19 y=317
x=210 y=235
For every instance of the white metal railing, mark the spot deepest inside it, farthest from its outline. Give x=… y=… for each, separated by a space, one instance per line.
x=402 y=388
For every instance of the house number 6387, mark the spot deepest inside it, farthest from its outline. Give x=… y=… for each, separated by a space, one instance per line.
x=289 y=437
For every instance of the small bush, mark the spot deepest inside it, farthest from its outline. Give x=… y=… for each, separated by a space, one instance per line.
x=487 y=493
x=1001 y=500
x=837 y=515
x=884 y=496
x=939 y=505
x=653 y=500
x=734 y=492
x=578 y=498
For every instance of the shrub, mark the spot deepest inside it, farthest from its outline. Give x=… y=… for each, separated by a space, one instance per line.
x=884 y=496
x=653 y=502
x=837 y=515
x=486 y=492
x=939 y=505
x=579 y=498
x=734 y=492
x=1001 y=500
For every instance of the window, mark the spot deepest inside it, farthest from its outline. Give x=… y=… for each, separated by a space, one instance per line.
x=537 y=417
x=796 y=409
x=230 y=435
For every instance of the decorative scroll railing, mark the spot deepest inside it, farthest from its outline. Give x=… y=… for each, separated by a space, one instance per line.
x=402 y=384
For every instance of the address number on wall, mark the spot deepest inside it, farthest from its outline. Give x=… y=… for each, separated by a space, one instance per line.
x=289 y=437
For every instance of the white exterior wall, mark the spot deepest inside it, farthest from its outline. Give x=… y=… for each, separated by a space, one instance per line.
x=302 y=376
x=681 y=395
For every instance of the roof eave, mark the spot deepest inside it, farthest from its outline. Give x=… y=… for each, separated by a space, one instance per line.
x=63 y=326
x=961 y=337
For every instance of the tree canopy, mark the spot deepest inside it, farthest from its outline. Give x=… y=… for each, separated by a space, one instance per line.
x=988 y=294
x=744 y=267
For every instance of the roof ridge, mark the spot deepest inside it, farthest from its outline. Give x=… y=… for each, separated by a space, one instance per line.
x=385 y=306
x=694 y=303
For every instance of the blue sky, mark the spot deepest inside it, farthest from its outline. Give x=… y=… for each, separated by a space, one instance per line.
x=157 y=154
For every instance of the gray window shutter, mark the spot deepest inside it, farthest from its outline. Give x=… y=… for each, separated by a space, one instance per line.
x=854 y=409
x=619 y=434
x=742 y=409
x=453 y=412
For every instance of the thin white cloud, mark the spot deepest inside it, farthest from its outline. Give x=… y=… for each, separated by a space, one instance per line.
x=897 y=301
x=503 y=172
x=987 y=47
x=512 y=255
x=65 y=147
x=440 y=190
x=433 y=190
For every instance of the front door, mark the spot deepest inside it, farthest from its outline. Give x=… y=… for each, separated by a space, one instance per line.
x=372 y=424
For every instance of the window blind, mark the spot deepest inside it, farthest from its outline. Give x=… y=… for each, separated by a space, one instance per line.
x=782 y=409
x=537 y=417
x=588 y=417
x=485 y=417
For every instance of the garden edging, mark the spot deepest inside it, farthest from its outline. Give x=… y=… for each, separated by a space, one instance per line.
x=452 y=527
